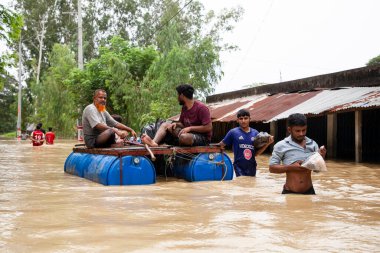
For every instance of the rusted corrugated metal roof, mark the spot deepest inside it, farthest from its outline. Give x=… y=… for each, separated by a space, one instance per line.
x=371 y=99
x=226 y=111
x=329 y=101
x=273 y=105
x=279 y=106
x=262 y=107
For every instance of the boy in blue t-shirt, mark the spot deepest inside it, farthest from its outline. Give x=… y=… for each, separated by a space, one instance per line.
x=241 y=138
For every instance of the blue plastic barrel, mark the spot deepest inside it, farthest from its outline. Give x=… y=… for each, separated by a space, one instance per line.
x=137 y=170
x=203 y=167
x=76 y=163
x=98 y=167
x=105 y=169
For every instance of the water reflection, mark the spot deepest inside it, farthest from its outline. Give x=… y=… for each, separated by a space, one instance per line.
x=42 y=209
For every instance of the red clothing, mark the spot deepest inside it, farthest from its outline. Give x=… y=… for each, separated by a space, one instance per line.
x=37 y=137
x=50 y=136
x=198 y=115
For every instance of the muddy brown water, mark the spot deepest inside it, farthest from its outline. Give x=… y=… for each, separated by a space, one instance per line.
x=42 y=209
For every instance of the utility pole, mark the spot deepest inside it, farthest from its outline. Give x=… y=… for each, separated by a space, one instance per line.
x=80 y=59
x=19 y=91
x=80 y=64
x=80 y=32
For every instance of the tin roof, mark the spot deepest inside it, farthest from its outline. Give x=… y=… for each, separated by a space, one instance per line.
x=279 y=106
x=226 y=110
x=329 y=101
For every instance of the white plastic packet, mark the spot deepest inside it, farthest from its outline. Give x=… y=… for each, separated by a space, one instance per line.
x=315 y=163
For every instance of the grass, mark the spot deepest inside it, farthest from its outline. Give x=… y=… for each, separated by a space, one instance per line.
x=9 y=135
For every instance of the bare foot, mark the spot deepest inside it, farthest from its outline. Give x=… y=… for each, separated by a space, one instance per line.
x=147 y=140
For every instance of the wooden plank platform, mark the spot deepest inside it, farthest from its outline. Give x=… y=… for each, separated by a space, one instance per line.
x=135 y=150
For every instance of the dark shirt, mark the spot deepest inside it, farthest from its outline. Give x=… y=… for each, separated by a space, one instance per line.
x=198 y=115
x=242 y=145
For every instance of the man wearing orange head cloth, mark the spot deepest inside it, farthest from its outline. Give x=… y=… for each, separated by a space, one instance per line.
x=99 y=128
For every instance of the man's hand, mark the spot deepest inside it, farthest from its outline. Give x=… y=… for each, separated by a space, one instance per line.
x=271 y=140
x=296 y=166
x=322 y=151
x=184 y=131
x=261 y=150
x=122 y=134
x=172 y=126
x=134 y=134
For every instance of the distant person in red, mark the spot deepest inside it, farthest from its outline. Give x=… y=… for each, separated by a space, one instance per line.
x=37 y=136
x=50 y=136
x=42 y=130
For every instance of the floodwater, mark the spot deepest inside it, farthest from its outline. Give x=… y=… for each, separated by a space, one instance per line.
x=42 y=209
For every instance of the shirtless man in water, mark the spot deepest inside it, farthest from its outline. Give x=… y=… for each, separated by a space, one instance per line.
x=289 y=154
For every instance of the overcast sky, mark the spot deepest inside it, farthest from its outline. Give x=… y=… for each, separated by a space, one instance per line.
x=292 y=39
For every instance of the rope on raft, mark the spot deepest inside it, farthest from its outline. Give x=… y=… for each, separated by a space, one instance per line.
x=185 y=156
x=190 y=156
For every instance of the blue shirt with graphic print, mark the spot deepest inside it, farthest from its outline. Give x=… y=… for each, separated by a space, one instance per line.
x=244 y=152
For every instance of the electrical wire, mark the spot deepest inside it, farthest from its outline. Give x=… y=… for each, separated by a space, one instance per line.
x=252 y=41
x=166 y=23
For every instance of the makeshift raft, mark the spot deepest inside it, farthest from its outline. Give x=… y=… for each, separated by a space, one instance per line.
x=130 y=165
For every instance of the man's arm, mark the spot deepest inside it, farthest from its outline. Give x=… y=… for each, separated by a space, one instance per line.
x=262 y=149
x=276 y=159
x=37 y=140
x=221 y=144
x=322 y=151
x=31 y=137
x=177 y=124
x=198 y=129
x=281 y=168
x=124 y=127
x=227 y=140
x=103 y=127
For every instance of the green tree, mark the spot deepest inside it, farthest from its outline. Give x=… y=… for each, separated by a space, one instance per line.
x=8 y=113
x=159 y=44
x=10 y=25
x=120 y=69
x=56 y=108
x=101 y=21
x=374 y=61
x=142 y=22
x=190 y=54
x=50 y=20
x=10 y=29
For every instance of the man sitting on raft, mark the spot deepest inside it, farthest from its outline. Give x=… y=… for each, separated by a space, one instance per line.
x=289 y=154
x=194 y=127
x=99 y=128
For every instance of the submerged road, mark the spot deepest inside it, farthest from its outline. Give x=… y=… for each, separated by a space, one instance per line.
x=42 y=209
